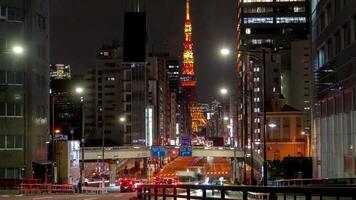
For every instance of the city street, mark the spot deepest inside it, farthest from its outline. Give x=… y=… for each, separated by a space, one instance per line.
x=112 y=196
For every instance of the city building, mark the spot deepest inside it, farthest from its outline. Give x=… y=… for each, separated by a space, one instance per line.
x=270 y=26
x=173 y=68
x=286 y=135
x=103 y=99
x=334 y=106
x=139 y=129
x=300 y=80
x=24 y=86
x=59 y=71
x=272 y=23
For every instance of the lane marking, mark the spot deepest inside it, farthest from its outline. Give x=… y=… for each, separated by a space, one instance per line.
x=93 y=198
x=38 y=198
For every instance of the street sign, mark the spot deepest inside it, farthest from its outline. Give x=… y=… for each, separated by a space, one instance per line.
x=61 y=137
x=185 y=151
x=186 y=141
x=158 y=151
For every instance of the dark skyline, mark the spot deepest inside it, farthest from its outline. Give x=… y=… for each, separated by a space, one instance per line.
x=78 y=29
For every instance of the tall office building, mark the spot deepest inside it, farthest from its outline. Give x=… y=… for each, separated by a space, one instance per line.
x=24 y=78
x=173 y=74
x=104 y=93
x=334 y=61
x=270 y=25
x=59 y=71
x=135 y=77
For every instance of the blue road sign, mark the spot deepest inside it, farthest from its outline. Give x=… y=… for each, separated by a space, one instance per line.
x=186 y=141
x=158 y=151
x=185 y=151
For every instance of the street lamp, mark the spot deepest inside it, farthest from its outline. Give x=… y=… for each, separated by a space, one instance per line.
x=224 y=51
x=80 y=91
x=224 y=91
x=17 y=50
x=122 y=119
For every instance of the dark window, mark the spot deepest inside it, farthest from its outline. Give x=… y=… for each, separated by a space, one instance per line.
x=19 y=78
x=3 y=44
x=18 y=141
x=2 y=109
x=330 y=49
x=41 y=21
x=10 y=109
x=337 y=43
x=347 y=34
x=11 y=77
x=2 y=173
x=128 y=108
x=2 y=77
x=10 y=141
x=355 y=27
x=18 y=110
x=2 y=142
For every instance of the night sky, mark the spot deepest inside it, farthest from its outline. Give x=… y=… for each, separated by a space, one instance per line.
x=79 y=27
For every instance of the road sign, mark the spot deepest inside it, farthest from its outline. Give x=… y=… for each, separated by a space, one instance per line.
x=158 y=151
x=186 y=141
x=61 y=137
x=185 y=151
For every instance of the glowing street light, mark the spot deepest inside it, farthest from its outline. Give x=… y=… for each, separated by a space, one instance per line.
x=57 y=131
x=226 y=118
x=224 y=51
x=79 y=90
x=122 y=119
x=272 y=125
x=224 y=91
x=17 y=50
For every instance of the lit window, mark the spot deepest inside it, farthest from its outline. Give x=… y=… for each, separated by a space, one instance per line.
x=253 y=1
x=258 y=20
x=290 y=20
x=248 y=31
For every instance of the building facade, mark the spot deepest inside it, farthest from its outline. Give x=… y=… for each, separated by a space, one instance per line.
x=334 y=64
x=103 y=99
x=24 y=83
x=270 y=26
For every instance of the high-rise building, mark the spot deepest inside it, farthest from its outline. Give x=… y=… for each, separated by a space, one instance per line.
x=135 y=78
x=269 y=25
x=272 y=23
x=334 y=106
x=24 y=80
x=104 y=93
x=59 y=71
x=173 y=74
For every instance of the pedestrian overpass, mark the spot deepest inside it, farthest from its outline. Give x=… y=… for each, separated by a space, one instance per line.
x=124 y=152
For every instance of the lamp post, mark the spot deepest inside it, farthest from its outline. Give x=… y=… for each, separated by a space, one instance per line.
x=80 y=91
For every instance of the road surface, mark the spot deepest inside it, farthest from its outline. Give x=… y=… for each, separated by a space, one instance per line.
x=111 y=196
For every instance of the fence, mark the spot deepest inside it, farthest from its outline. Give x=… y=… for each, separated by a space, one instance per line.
x=27 y=188
x=245 y=193
x=6 y=183
x=295 y=182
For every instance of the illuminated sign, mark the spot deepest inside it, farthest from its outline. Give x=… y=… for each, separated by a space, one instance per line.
x=149 y=126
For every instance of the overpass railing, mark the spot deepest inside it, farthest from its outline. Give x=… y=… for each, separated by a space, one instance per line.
x=244 y=192
x=298 y=182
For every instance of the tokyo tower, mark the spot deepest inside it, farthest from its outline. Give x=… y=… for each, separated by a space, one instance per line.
x=188 y=82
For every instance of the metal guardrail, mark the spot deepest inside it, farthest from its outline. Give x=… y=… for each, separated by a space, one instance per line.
x=27 y=188
x=243 y=192
x=114 y=148
x=298 y=182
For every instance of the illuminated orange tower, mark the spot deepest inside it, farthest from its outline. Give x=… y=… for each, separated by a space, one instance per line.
x=188 y=75
x=197 y=119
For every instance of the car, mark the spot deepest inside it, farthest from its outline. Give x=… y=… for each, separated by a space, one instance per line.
x=127 y=185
